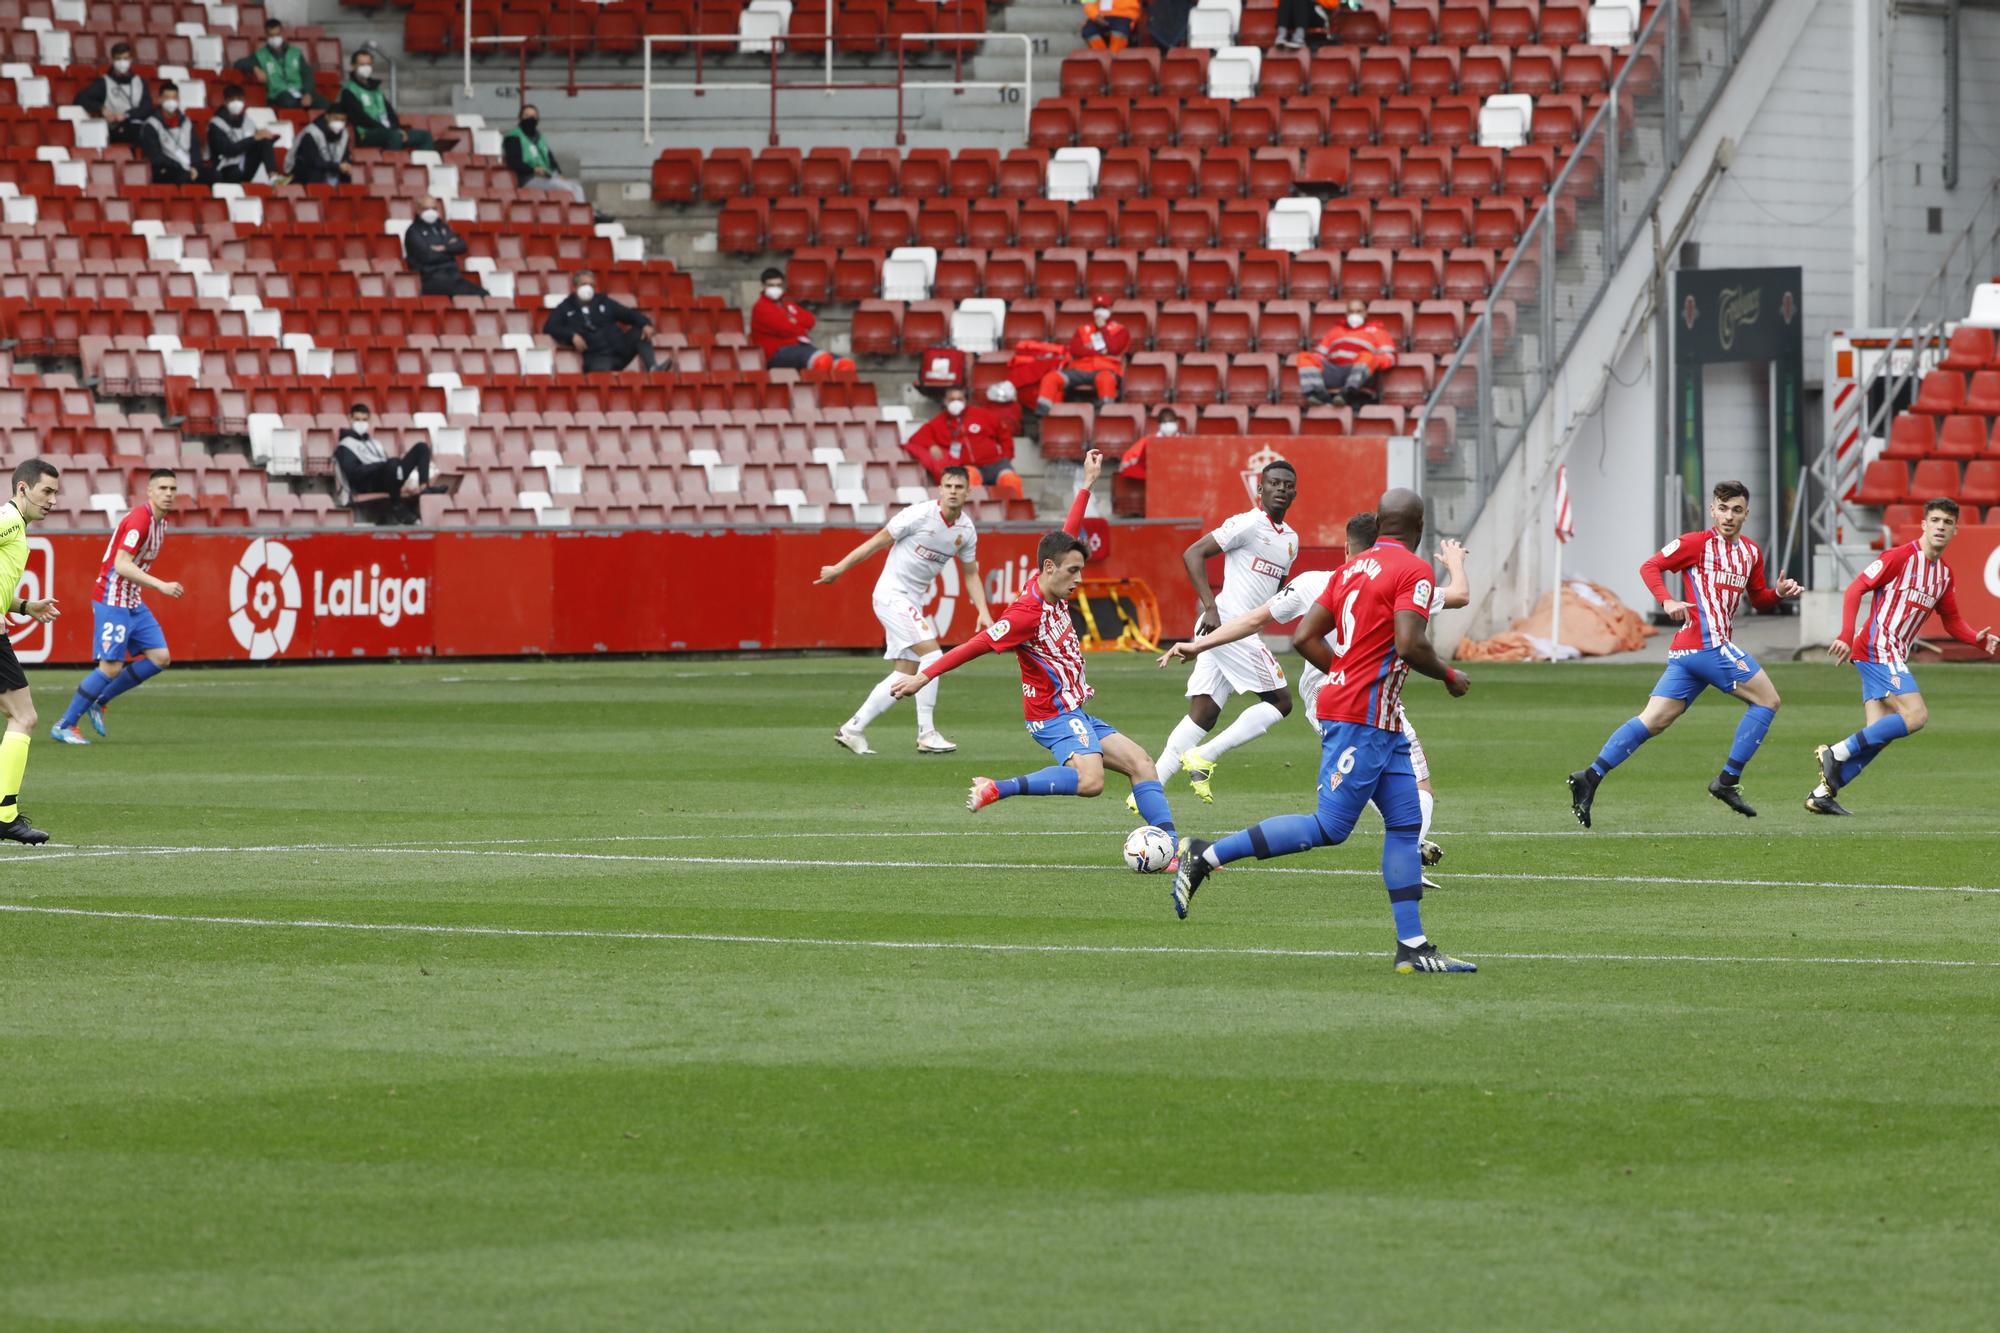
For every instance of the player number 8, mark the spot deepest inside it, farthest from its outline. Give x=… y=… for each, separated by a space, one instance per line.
x=1082 y=732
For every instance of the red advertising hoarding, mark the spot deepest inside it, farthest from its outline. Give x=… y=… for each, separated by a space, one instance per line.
x=274 y=597
x=1214 y=476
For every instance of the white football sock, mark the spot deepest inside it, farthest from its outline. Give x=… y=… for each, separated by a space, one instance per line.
x=876 y=704
x=927 y=696
x=1841 y=750
x=1257 y=719
x=1429 y=802
x=1415 y=941
x=1187 y=734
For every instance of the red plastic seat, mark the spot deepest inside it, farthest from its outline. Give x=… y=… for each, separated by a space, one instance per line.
x=1200 y=379
x=1959 y=437
x=1182 y=73
x=877 y=328
x=1941 y=393
x=1433 y=71
x=1149 y=378
x=1364 y=274
x=1133 y=73
x=1883 y=482
x=1912 y=436
x=1204 y=123
x=1587 y=70
x=1934 y=478
x=974 y=173
x=1970 y=350
x=1412 y=23
x=1253 y=122
x=1537 y=71
x=775 y=172
x=1083 y=73
x=1484 y=70
x=1251 y=379
x=1385 y=71
x=1981 y=485
x=1374 y=172
x=1564 y=22
x=1354 y=121
x=725 y=173
x=1982 y=393
x=1232 y=327
x=1283 y=74
x=1053 y=122
x=1463 y=22
x=1102 y=123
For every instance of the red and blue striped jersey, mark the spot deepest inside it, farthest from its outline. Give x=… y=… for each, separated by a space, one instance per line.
x=139 y=536
x=1364 y=682
x=1908 y=586
x=1716 y=574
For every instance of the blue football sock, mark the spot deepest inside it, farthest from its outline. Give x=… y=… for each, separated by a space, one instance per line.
x=1882 y=730
x=1619 y=748
x=1409 y=919
x=1281 y=835
x=1055 y=780
x=1871 y=740
x=1402 y=863
x=89 y=692
x=132 y=677
x=1749 y=735
x=1153 y=808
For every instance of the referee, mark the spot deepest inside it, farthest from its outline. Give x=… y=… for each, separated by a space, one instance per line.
x=34 y=497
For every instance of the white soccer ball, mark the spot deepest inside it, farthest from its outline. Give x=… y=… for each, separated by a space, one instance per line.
x=1149 y=849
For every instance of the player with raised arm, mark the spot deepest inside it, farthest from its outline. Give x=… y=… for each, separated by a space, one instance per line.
x=1291 y=604
x=121 y=622
x=34 y=496
x=1909 y=583
x=1257 y=550
x=920 y=540
x=1364 y=633
x=1719 y=568
x=1038 y=628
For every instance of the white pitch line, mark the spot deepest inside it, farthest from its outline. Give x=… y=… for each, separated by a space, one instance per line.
x=824 y=863
x=939 y=946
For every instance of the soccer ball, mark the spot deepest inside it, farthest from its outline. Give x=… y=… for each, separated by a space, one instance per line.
x=1149 y=849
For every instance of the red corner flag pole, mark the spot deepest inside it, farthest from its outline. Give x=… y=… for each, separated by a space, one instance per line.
x=1565 y=529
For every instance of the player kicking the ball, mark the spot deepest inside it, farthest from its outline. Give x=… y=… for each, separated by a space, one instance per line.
x=1293 y=602
x=1719 y=567
x=920 y=540
x=1909 y=583
x=1364 y=633
x=1257 y=550
x=1053 y=691
x=123 y=625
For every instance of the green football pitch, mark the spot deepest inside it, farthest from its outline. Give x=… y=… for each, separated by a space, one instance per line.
x=573 y=995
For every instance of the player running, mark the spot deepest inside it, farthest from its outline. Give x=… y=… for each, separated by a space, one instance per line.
x=1364 y=633
x=1257 y=550
x=1909 y=583
x=920 y=540
x=1719 y=567
x=1292 y=603
x=34 y=496
x=1053 y=690
x=121 y=624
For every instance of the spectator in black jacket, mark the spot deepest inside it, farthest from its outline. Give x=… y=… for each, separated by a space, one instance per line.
x=368 y=110
x=432 y=249
x=168 y=140
x=608 y=334
x=119 y=97
x=364 y=466
x=319 y=154
x=238 y=150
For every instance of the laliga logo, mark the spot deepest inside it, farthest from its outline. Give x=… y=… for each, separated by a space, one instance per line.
x=946 y=584
x=1255 y=465
x=264 y=599
x=371 y=595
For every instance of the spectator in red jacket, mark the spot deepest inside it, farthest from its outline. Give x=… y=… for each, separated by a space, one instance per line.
x=1347 y=363
x=970 y=436
x=782 y=327
x=1094 y=361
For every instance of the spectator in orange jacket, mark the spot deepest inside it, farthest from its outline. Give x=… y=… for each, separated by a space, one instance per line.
x=1347 y=362
x=1095 y=359
x=781 y=328
x=970 y=436
x=1108 y=24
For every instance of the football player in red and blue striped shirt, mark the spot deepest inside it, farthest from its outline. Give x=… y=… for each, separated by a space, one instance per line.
x=1909 y=583
x=124 y=628
x=1719 y=568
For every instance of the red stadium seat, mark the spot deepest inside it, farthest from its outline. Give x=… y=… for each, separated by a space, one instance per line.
x=1883 y=482
x=1941 y=393
x=1981 y=485
x=1970 y=350
x=1982 y=394
x=1960 y=437
x=1912 y=436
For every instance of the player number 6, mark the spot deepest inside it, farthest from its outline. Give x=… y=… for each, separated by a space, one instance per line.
x=1345 y=764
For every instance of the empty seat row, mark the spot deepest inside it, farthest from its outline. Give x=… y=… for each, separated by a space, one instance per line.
x=1888 y=481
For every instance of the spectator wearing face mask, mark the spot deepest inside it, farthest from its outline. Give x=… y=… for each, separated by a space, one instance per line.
x=319 y=154
x=289 y=81
x=119 y=98
x=432 y=249
x=1166 y=425
x=967 y=435
x=607 y=333
x=783 y=328
x=533 y=162
x=1348 y=362
x=1092 y=363
x=168 y=140
x=240 y=151
x=365 y=467
x=368 y=111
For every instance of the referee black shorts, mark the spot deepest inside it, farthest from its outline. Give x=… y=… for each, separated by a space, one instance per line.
x=11 y=676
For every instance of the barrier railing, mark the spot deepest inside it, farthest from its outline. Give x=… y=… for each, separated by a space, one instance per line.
x=1544 y=295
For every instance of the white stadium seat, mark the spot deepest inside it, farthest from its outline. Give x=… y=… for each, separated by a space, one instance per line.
x=1504 y=120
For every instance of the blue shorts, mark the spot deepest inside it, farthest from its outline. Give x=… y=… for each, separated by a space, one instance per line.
x=119 y=630
x=1359 y=764
x=1696 y=669
x=1072 y=733
x=1879 y=680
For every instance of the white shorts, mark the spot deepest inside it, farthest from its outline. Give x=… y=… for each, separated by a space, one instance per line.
x=903 y=628
x=1311 y=679
x=1243 y=667
x=1418 y=764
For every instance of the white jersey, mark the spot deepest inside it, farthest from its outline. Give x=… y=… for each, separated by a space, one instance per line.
x=1257 y=555
x=924 y=542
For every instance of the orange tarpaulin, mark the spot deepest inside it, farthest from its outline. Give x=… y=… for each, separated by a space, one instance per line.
x=1594 y=624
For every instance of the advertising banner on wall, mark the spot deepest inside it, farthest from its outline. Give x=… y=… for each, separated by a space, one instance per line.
x=1214 y=476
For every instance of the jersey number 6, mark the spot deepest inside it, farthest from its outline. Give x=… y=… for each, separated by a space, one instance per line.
x=1343 y=633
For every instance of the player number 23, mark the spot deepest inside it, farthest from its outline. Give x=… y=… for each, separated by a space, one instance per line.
x=113 y=636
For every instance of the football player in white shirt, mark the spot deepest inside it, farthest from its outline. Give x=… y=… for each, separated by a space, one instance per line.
x=1301 y=593
x=1257 y=550
x=920 y=540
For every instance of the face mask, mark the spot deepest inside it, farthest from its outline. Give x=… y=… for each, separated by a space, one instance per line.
x=121 y=67
x=955 y=407
x=585 y=292
x=336 y=128
x=1102 y=315
x=361 y=427
x=1356 y=321
x=275 y=43
x=235 y=108
x=775 y=292
x=529 y=123
x=429 y=215
x=1170 y=427
x=364 y=71
x=170 y=107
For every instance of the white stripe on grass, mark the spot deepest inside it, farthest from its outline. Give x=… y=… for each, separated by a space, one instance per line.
x=933 y=946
